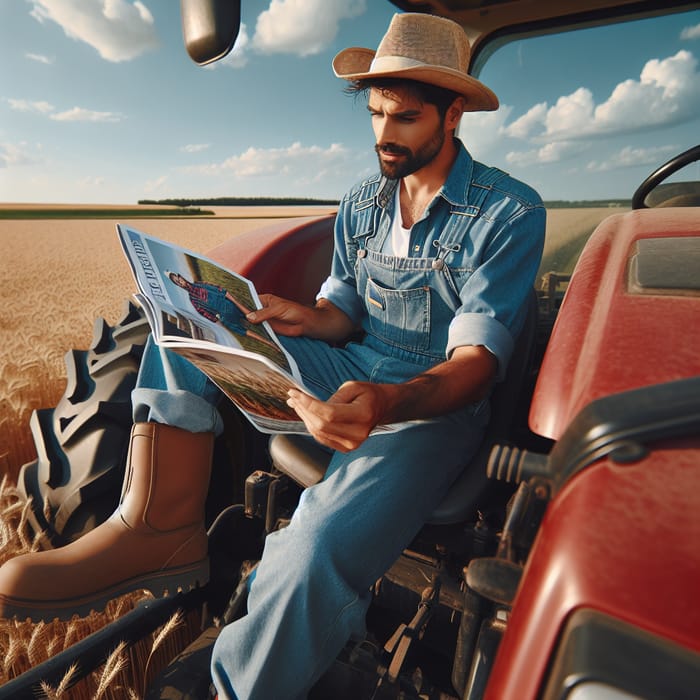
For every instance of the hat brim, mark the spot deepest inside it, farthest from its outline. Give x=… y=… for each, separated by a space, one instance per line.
x=355 y=64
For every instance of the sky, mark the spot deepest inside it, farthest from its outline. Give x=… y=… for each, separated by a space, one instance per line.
x=99 y=103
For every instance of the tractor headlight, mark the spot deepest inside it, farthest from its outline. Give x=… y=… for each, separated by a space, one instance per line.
x=602 y=658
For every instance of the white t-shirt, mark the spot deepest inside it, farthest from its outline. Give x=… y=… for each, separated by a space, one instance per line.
x=400 y=236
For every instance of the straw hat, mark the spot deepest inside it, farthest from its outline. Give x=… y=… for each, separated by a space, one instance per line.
x=420 y=47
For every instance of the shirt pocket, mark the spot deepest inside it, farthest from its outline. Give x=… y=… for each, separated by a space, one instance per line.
x=400 y=317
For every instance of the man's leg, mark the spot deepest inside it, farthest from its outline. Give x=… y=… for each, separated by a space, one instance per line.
x=311 y=590
x=156 y=538
x=172 y=391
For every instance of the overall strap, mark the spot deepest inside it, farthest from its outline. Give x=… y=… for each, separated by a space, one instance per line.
x=479 y=189
x=368 y=219
x=484 y=184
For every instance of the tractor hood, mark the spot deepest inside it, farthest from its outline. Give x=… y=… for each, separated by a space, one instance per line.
x=629 y=318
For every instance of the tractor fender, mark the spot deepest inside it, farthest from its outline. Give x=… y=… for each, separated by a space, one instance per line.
x=291 y=261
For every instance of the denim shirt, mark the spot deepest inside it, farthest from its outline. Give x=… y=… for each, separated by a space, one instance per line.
x=471 y=265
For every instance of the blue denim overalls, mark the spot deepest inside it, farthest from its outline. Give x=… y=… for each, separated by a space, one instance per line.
x=311 y=590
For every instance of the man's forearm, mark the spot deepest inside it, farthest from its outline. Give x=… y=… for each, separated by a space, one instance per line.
x=345 y=420
x=463 y=379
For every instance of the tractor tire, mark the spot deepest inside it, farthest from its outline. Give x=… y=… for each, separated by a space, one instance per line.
x=81 y=444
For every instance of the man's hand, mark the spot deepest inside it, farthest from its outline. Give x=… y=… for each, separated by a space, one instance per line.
x=324 y=321
x=347 y=418
x=284 y=316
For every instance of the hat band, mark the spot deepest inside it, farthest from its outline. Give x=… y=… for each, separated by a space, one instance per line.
x=387 y=64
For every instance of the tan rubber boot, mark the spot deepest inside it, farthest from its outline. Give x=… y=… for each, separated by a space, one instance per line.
x=155 y=540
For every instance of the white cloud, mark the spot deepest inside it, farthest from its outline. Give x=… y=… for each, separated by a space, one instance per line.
x=572 y=114
x=533 y=119
x=522 y=158
x=37 y=106
x=92 y=181
x=156 y=186
x=195 y=147
x=691 y=32
x=630 y=157
x=481 y=131
x=303 y=27
x=549 y=153
x=39 y=58
x=15 y=155
x=667 y=92
x=76 y=114
x=80 y=114
x=118 y=30
x=295 y=161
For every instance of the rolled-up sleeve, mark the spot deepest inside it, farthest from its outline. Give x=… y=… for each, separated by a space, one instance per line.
x=340 y=288
x=480 y=329
x=495 y=296
x=343 y=295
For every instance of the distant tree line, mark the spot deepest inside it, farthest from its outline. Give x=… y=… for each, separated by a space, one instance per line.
x=587 y=203
x=308 y=201
x=241 y=201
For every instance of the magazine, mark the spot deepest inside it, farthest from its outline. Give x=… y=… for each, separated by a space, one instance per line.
x=198 y=309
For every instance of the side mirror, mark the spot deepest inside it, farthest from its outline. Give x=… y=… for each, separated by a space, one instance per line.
x=209 y=28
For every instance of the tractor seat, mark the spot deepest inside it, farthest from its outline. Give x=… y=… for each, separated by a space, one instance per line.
x=305 y=461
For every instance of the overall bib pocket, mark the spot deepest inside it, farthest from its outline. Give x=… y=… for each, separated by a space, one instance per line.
x=400 y=317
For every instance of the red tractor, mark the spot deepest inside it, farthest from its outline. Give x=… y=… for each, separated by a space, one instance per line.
x=565 y=561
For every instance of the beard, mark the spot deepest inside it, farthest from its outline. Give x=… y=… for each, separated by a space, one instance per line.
x=412 y=162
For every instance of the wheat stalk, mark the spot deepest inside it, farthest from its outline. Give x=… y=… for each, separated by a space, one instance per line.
x=11 y=655
x=165 y=631
x=115 y=663
x=71 y=635
x=173 y=623
x=22 y=526
x=58 y=692
x=36 y=648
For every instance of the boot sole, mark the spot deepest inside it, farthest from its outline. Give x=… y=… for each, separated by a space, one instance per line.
x=162 y=584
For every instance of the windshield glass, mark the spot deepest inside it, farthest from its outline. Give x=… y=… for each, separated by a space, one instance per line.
x=587 y=115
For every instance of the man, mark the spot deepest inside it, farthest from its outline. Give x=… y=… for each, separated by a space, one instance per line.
x=434 y=259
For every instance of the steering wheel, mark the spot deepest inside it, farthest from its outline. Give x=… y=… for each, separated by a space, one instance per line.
x=661 y=173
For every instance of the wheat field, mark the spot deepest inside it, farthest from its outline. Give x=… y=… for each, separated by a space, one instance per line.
x=57 y=276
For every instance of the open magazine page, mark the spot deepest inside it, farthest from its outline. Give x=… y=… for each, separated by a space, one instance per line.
x=197 y=309
x=253 y=384
x=194 y=301
x=203 y=319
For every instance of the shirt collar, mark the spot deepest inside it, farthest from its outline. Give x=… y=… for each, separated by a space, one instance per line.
x=456 y=187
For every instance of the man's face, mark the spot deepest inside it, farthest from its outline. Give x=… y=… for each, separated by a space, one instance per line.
x=409 y=134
